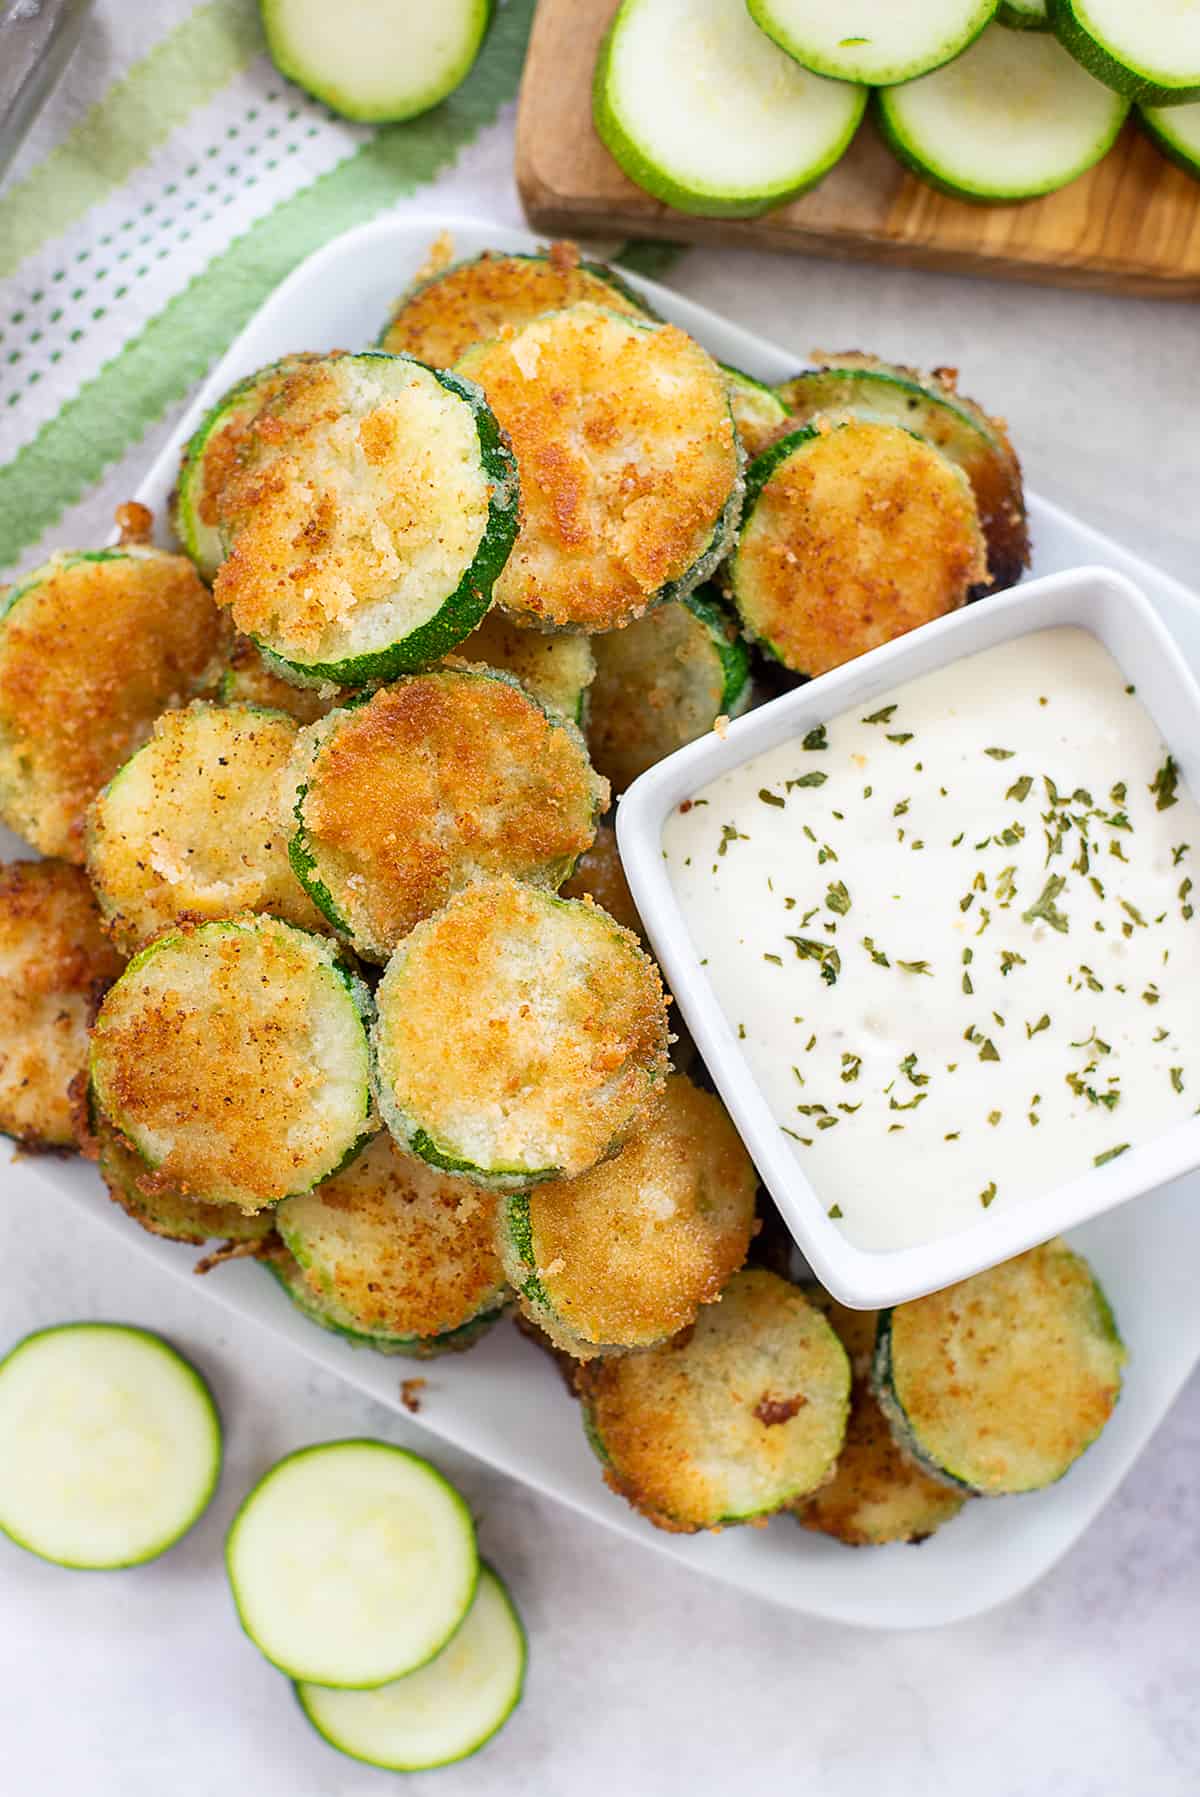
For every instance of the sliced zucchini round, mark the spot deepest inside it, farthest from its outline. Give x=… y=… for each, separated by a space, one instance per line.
x=737 y=1419
x=436 y=781
x=1013 y=117
x=1149 y=52
x=444 y=314
x=556 y=670
x=860 y=386
x=327 y=1313
x=247 y=680
x=758 y=411
x=369 y=524
x=403 y=1251
x=217 y=449
x=631 y=469
x=872 y=40
x=853 y=535
x=110 y=1445
x=443 y=1712
x=233 y=1057
x=1023 y=15
x=519 y=1037
x=737 y=129
x=599 y=875
x=93 y=646
x=624 y=1256
x=990 y=1408
x=1176 y=131
x=352 y=1563
x=189 y=828
x=54 y=963
x=376 y=63
x=162 y=1209
x=664 y=682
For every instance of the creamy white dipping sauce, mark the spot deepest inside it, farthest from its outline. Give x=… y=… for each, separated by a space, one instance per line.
x=956 y=935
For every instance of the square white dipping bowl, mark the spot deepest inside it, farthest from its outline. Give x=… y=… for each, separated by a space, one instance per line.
x=1093 y=599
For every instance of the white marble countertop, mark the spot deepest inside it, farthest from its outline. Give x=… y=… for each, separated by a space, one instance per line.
x=644 y=1679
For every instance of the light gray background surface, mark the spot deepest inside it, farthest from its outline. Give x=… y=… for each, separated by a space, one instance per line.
x=644 y=1680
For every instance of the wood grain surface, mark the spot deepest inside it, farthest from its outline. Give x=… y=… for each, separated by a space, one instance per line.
x=1131 y=225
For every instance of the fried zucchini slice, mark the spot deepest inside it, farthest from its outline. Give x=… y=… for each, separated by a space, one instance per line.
x=630 y=465
x=403 y=1251
x=664 y=682
x=375 y=505
x=556 y=670
x=442 y=316
x=327 y=1313
x=853 y=535
x=852 y=385
x=624 y=1256
x=233 y=1057
x=876 y=1495
x=93 y=646
x=161 y=1208
x=599 y=875
x=247 y=680
x=744 y=1414
x=215 y=452
x=759 y=412
x=519 y=1037
x=439 y=780
x=991 y=1408
x=54 y=963
x=189 y=829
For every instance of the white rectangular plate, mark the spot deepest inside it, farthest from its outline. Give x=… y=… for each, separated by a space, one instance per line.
x=504 y=1401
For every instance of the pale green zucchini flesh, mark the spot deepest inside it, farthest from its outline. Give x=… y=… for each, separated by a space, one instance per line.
x=375 y=62
x=1176 y=131
x=872 y=41
x=1148 y=51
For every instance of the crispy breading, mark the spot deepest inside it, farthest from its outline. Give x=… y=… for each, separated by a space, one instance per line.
x=628 y=461
x=557 y=670
x=858 y=537
x=247 y=680
x=54 y=963
x=163 y=1211
x=92 y=649
x=599 y=875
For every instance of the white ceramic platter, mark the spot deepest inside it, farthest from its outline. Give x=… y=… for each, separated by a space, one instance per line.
x=504 y=1401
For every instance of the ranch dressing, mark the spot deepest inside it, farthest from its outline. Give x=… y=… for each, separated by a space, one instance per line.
x=955 y=933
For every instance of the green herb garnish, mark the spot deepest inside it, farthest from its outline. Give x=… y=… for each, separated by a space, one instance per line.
x=816 y=739
x=988 y=1193
x=1000 y=754
x=837 y=898
x=1164 y=784
x=1044 y=907
x=827 y=957
x=813 y=779
x=1020 y=789
x=1110 y=1154
x=771 y=798
x=883 y=716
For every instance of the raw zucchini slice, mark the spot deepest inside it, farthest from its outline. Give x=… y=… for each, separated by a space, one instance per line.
x=758 y=411
x=378 y=63
x=444 y=314
x=189 y=828
x=631 y=469
x=327 y=1313
x=1149 y=52
x=624 y=1256
x=233 y=1057
x=110 y=1445
x=93 y=646
x=439 y=780
x=1011 y=118
x=555 y=670
x=247 y=680
x=369 y=523
x=738 y=129
x=737 y=1419
x=54 y=962
x=519 y=1037
x=872 y=40
x=403 y=1251
x=859 y=386
x=853 y=535
x=162 y=1209
x=599 y=875
x=663 y=682
x=352 y=1563
x=1023 y=15
x=1176 y=131
x=444 y=1711
x=215 y=451
x=990 y=1408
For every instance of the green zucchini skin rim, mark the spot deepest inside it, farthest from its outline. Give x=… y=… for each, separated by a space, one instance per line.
x=335 y=98
x=898 y=144
x=731 y=653
x=600 y=271
x=757 y=475
x=1015 y=17
x=760 y=11
x=461 y=610
x=1146 y=86
x=336 y=966
x=409 y=1347
x=515 y=1242
x=153 y=1339
x=485 y=1567
x=632 y=161
x=323 y=1447
x=1170 y=147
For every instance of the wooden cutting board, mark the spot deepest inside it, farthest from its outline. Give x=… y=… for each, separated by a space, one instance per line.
x=1131 y=225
